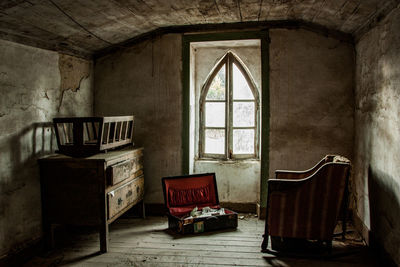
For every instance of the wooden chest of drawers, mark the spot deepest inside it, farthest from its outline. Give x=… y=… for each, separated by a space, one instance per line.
x=90 y=191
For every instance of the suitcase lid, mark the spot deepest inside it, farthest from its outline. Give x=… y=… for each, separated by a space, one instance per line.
x=183 y=193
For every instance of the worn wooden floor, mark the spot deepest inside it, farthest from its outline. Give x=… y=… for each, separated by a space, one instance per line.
x=145 y=242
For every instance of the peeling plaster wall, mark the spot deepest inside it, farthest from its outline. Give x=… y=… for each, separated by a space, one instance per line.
x=145 y=80
x=311 y=99
x=377 y=120
x=30 y=89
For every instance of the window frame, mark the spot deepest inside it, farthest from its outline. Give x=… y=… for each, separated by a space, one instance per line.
x=229 y=59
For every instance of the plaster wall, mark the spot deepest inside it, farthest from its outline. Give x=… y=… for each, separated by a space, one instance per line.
x=311 y=99
x=31 y=95
x=232 y=176
x=377 y=124
x=145 y=81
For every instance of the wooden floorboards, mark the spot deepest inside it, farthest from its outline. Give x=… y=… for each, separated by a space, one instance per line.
x=146 y=242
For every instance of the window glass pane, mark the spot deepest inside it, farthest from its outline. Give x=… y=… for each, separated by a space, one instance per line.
x=217 y=87
x=241 y=89
x=243 y=114
x=214 y=141
x=215 y=114
x=243 y=141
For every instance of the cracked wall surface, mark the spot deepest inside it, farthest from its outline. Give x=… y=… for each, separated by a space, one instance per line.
x=377 y=138
x=30 y=89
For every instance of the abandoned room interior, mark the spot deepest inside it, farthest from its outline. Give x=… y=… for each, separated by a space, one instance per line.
x=215 y=92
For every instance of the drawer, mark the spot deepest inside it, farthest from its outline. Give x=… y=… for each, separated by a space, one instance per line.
x=125 y=195
x=124 y=170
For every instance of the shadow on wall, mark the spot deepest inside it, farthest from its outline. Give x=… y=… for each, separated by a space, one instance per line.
x=20 y=204
x=384 y=202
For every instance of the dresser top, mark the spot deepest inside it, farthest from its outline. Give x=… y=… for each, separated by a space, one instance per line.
x=106 y=156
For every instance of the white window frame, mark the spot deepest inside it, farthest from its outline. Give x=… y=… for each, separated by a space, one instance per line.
x=229 y=59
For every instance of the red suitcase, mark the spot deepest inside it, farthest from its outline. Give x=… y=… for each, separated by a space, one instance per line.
x=183 y=193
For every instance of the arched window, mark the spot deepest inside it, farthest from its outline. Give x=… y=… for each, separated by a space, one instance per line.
x=229 y=112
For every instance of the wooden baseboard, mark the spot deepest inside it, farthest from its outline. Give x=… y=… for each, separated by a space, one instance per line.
x=240 y=207
x=19 y=257
x=261 y=212
x=384 y=257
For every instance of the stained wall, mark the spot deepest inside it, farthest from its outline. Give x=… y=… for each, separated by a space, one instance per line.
x=311 y=100
x=146 y=81
x=35 y=86
x=377 y=134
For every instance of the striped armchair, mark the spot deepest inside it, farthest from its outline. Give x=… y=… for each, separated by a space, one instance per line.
x=306 y=204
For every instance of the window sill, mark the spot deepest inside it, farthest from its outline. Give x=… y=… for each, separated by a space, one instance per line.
x=227 y=161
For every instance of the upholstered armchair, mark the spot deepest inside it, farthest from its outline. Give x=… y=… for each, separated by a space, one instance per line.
x=306 y=204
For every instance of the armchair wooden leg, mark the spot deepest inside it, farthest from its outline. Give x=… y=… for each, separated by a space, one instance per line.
x=329 y=246
x=143 y=210
x=345 y=207
x=344 y=229
x=264 y=244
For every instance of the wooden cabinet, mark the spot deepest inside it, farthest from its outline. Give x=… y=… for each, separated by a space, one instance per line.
x=90 y=191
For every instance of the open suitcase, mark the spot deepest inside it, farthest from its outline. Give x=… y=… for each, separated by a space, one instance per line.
x=184 y=193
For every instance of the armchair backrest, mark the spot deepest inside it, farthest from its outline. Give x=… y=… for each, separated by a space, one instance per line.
x=308 y=207
x=285 y=174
